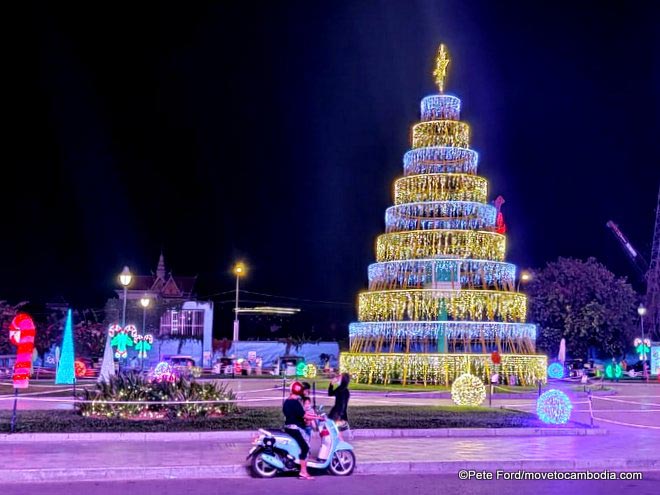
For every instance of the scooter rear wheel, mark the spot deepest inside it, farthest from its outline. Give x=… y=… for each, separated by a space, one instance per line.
x=260 y=468
x=342 y=463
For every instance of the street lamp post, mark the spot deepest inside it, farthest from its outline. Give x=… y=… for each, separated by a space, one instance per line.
x=125 y=278
x=239 y=271
x=524 y=277
x=641 y=311
x=144 y=302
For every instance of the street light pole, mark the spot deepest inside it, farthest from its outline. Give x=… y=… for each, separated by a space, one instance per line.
x=524 y=277
x=239 y=270
x=641 y=310
x=123 y=313
x=144 y=302
x=125 y=278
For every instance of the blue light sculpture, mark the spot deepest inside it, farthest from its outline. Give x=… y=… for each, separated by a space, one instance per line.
x=556 y=370
x=66 y=374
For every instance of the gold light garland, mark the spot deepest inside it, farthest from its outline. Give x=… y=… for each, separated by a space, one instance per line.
x=440 y=187
x=426 y=305
x=441 y=369
x=418 y=244
x=441 y=133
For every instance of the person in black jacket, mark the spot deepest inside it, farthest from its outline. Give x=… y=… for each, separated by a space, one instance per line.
x=342 y=395
x=294 y=424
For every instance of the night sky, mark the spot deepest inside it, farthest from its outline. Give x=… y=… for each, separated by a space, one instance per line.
x=273 y=132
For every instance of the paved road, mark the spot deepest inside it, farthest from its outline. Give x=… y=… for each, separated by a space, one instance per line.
x=355 y=485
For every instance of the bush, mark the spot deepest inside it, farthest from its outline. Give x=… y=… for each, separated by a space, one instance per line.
x=151 y=398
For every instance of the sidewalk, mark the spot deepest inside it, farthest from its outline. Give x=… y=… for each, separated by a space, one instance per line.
x=73 y=460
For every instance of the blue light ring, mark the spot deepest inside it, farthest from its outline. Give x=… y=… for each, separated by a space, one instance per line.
x=451 y=329
x=440 y=159
x=471 y=271
x=440 y=107
x=468 y=215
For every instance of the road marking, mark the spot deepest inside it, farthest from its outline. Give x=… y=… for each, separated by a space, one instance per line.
x=633 y=425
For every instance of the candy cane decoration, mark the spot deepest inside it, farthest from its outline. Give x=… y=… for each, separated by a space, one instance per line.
x=21 y=334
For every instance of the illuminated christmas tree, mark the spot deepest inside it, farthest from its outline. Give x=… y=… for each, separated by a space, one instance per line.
x=66 y=368
x=441 y=298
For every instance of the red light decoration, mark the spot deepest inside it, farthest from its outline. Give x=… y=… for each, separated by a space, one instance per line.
x=21 y=334
x=495 y=357
x=80 y=368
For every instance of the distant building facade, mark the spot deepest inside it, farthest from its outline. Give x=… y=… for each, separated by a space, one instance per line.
x=185 y=325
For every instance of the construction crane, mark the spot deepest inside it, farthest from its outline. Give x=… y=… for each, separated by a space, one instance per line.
x=650 y=272
x=638 y=260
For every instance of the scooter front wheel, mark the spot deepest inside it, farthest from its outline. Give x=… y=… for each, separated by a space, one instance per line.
x=260 y=468
x=342 y=463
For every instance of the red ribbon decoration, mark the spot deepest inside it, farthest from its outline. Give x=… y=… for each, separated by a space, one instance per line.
x=21 y=334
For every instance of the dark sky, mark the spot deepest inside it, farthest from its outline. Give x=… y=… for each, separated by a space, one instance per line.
x=273 y=131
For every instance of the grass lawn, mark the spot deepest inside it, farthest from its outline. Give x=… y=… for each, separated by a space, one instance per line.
x=271 y=417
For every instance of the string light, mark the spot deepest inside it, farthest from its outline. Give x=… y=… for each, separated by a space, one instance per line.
x=468 y=390
x=416 y=244
x=425 y=304
x=440 y=159
x=440 y=369
x=469 y=273
x=429 y=336
x=440 y=187
x=441 y=133
x=554 y=407
x=440 y=107
x=440 y=215
x=556 y=370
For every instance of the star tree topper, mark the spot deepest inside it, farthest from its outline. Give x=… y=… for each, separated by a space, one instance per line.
x=441 y=62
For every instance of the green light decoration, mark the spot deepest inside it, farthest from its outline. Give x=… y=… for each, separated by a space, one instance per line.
x=613 y=371
x=122 y=338
x=66 y=374
x=300 y=368
x=143 y=345
x=643 y=348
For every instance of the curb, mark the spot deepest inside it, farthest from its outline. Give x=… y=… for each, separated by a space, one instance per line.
x=125 y=473
x=248 y=435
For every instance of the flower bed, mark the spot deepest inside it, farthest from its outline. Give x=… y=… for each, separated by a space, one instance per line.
x=132 y=396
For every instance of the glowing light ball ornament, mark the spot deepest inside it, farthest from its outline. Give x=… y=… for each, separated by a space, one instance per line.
x=21 y=333
x=556 y=370
x=300 y=368
x=554 y=407
x=310 y=371
x=468 y=390
x=80 y=368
